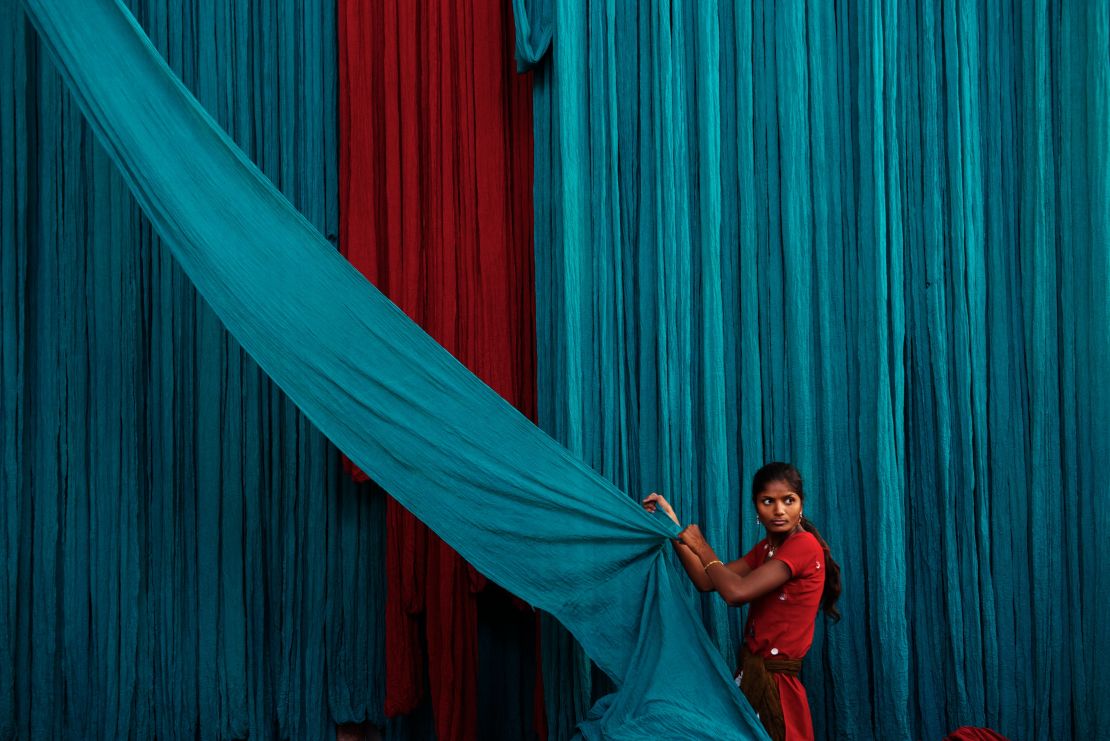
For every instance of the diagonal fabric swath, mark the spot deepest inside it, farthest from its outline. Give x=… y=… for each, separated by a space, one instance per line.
x=517 y=505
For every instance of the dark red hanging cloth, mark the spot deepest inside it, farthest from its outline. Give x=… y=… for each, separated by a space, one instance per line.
x=971 y=733
x=435 y=172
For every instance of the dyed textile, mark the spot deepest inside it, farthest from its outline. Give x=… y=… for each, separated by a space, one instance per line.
x=872 y=239
x=967 y=733
x=180 y=555
x=520 y=507
x=436 y=211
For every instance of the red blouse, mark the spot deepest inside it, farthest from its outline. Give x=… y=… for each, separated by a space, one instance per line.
x=780 y=623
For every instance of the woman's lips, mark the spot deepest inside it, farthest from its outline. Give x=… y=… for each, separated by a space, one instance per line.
x=778 y=522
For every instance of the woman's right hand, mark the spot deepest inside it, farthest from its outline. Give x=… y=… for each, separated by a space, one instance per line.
x=653 y=501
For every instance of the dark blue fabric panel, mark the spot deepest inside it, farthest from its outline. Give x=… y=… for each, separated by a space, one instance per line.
x=182 y=557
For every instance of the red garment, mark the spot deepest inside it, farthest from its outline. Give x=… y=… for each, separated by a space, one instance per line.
x=780 y=624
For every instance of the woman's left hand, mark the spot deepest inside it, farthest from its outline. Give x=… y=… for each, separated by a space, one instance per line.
x=653 y=500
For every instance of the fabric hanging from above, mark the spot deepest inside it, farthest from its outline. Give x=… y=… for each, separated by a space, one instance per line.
x=871 y=238
x=215 y=574
x=435 y=162
x=517 y=505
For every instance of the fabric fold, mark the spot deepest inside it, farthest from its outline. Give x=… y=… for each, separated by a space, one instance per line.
x=512 y=501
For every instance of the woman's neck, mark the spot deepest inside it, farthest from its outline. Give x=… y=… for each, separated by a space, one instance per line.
x=777 y=539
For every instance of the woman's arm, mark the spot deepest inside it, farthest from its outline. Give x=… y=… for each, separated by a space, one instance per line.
x=689 y=559
x=735 y=588
x=698 y=573
x=695 y=569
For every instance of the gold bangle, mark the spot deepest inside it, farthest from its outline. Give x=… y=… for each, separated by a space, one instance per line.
x=706 y=567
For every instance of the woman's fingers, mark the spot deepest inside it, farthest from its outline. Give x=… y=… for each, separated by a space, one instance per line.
x=691 y=534
x=654 y=501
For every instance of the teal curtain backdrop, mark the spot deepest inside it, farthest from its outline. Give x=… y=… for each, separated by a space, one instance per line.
x=513 y=502
x=182 y=556
x=872 y=238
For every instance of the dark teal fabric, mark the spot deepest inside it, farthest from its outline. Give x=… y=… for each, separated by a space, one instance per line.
x=180 y=554
x=872 y=238
x=519 y=506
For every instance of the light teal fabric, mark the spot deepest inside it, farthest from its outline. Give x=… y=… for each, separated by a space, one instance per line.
x=519 y=506
x=872 y=238
x=214 y=572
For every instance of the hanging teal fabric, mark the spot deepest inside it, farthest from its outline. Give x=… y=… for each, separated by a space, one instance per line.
x=520 y=507
x=180 y=556
x=873 y=239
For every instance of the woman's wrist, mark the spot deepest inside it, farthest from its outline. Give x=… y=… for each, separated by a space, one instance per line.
x=706 y=556
x=712 y=562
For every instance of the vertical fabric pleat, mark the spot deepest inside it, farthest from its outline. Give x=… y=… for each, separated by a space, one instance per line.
x=869 y=238
x=182 y=556
x=436 y=210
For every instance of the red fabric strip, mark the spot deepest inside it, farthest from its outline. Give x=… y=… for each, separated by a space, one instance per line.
x=436 y=210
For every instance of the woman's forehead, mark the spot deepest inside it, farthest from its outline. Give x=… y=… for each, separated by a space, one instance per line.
x=777 y=488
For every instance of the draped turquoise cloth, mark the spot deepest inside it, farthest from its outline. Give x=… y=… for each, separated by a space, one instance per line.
x=181 y=556
x=871 y=238
x=104 y=339
x=516 y=504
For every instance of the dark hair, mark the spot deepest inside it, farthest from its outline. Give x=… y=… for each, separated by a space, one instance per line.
x=790 y=476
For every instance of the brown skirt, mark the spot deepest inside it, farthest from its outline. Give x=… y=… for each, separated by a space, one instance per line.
x=762 y=691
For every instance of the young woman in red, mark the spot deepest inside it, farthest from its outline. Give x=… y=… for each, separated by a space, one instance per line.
x=785 y=578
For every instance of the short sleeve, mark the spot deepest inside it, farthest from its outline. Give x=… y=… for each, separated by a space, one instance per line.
x=802 y=554
x=754 y=556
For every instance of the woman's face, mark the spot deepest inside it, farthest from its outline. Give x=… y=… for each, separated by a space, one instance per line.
x=779 y=508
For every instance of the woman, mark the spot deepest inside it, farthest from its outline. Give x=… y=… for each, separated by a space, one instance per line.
x=785 y=578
